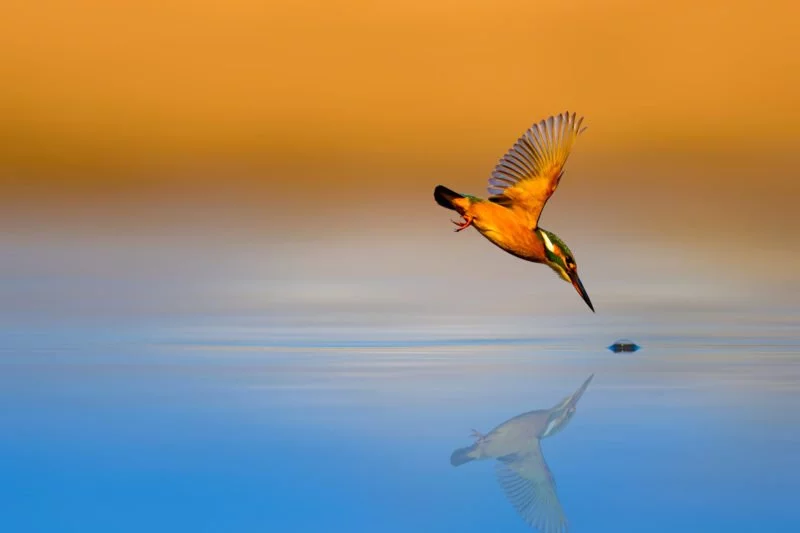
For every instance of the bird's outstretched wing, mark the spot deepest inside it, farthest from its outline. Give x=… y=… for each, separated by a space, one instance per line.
x=529 y=173
x=531 y=489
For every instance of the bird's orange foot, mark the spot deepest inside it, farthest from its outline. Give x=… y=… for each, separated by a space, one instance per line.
x=464 y=223
x=477 y=435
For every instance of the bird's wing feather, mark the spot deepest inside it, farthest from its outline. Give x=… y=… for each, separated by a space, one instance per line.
x=530 y=487
x=529 y=173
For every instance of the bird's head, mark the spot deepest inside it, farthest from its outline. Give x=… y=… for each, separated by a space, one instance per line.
x=558 y=420
x=560 y=259
x=563 y=411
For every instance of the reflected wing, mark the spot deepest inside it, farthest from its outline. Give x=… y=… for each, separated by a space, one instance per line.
x=529 y=173
x=531 y=489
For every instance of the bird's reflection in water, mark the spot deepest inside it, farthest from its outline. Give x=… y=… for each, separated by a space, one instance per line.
x=521 y=468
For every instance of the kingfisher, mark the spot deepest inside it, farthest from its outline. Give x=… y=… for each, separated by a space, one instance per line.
x=521 y=183
x=521 y=469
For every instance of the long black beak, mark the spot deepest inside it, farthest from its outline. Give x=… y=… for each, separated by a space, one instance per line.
x=578 y=393
x=576 y=282
x=572 y=399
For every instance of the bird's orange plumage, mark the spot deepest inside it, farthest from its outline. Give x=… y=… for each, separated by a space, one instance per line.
x=506 y=229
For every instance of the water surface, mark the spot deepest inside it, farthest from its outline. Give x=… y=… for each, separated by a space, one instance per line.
x=346 y=422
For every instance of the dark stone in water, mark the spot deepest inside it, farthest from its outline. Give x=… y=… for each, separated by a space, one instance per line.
x=623 y=345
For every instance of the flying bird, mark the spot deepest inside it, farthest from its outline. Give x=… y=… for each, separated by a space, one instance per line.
x=521 y=469
x=519 y=188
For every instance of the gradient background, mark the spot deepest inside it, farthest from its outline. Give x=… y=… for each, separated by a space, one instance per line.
x=299 y=138
x=192 y=192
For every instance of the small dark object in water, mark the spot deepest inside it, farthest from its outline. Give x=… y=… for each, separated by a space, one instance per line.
x=623 y=345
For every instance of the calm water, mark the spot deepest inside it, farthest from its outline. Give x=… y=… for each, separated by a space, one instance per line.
x=336 y=422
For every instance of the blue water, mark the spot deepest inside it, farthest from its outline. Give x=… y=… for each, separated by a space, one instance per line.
x=281 y=423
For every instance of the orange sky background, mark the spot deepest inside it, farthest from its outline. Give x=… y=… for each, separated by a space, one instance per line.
x=274 y=107
x=298 y=141
x=130 y=82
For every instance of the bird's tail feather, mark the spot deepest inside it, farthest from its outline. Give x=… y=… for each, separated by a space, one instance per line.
x=444 y=197
x=463 y=455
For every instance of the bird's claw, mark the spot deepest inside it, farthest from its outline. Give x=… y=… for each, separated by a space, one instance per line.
x=463 y=224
